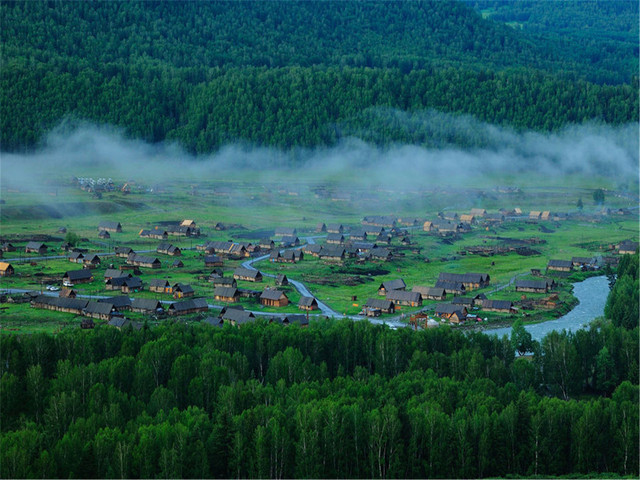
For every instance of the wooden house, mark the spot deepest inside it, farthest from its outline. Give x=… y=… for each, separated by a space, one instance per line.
x=8 y=247
x=290 y=241
x=115 y=272
x=291 y=256
x=381 y=254
x=67 y=293
x=142 y=261
x=168 y=249
x=332 y=254
x=430 y=293
x=375 y=306
x=106 y=226
x=627 y=247
x=237 y=317
x=468 y=219
x=296 y=319
x=560 y=265
x=535 y=215
x=321 y=228
x=471 y=281
x=379 y=221
x=188 y=223
x=223 y=281
x=364 y=247
x=388 y=286
x=428 y=226
x=545 y=215
x=36 y=247
x=308 y=303
x=77 y=276
x=502 y=306
x=477 y=212
x=121 y=303
x=582 y=262
x=285 y=232
x=67 y=305
x=373 y=231
x=188 y=307
x=177 y=263
x=400 y=297
x=157 y=234
x=146 y=305
x=6 y=269
x=335 y=228
x=359 y=235
x=213 y=321
x=180 y=231
x=335 y=238
x=123 y=252
x=181 y=290
x=247 y=274
x=99 y=310
x=532 y=286
x=312 y=249
x=213 y=261
x=266 y=244
x=451 y=288
x=274 y=298
x=282 y=280
x=453 y=313
x=76 y=257
x=104 y=235
x=160 y=285
x=121 y=322
x=91 y=261
x=226 y=294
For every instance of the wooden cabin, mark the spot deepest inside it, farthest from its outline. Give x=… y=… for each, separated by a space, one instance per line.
x=226 y=294
x=376 y=306
x=146 y=305
x=430 y=293
x=142 y=261
x=36 y=247
x=77 y=276
x=247 y=274
x=123 y=252
x=181 y=290
x=502 y=306
x=532 y=286
x=453 y=313
x=308 y=303
x=388 y=286
x=6 y=269
x=213 y=261
x=400 y=297
x=168 y=249
x=274 y=298
x=560 y=265
x=188 y=307
x=160 y=285
x=471 y=281
x=106 y=226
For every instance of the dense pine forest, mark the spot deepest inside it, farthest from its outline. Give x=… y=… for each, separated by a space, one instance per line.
x=338 y=399
x=304 y=74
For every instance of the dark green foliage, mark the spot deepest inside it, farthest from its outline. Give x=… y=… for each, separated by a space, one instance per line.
x=338 y=399
x=623 y=304
x=598 y=196
x=286 y=74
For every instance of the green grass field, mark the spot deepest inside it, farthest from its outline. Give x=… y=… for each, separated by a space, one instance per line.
x=251 y=207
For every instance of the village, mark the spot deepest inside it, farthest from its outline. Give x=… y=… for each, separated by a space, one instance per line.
x=445 y=268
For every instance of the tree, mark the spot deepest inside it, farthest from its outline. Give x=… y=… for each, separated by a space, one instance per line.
x=72 y=239
x=598 y=196
x=521 y=339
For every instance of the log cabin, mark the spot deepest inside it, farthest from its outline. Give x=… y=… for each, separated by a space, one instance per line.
x=106 y=226
x=308 y=303
x=430 y=293
x=400 y=297
x=274 y=298
x=188 y=307
x=36 y=247
x=386 y=287
x=226 y=294
x=247 y=274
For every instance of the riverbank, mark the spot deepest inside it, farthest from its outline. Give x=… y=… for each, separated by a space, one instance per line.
x=591 y=297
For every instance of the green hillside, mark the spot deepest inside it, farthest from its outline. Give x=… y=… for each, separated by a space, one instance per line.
x=291 y=74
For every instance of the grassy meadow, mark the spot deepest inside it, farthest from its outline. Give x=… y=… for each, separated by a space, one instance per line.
x=250 y=208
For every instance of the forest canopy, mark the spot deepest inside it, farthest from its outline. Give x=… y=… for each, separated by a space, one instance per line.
x=291 y=74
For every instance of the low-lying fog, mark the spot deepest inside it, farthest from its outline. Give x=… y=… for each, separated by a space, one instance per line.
x=585 y=150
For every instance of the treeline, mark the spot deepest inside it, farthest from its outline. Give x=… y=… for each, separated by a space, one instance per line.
x=289 y=74
x=406 y=35
x=338 y=399
x=603 y=33
x=292 y=106
x=623 y=303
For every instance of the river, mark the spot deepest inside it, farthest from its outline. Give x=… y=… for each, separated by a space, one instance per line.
x=592 y=294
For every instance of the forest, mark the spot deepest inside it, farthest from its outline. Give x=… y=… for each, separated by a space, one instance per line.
x=337 y=399
x=304 y=74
